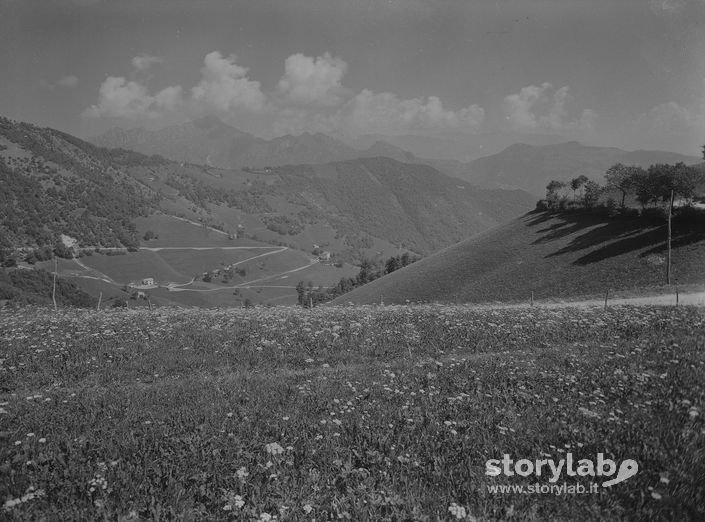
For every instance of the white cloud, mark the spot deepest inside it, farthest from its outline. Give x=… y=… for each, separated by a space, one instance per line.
x=541 y=108
x=311 y=80
x=143 y=62
x=386 y=113
x=672 y=118
x=169 y=98
x=669 y=126
x=309 y=97
x=224 y=86
x=668 y=6
x=69 y=81
x=119 y=98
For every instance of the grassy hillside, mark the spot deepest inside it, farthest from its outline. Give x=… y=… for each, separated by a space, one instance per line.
x=553 y=255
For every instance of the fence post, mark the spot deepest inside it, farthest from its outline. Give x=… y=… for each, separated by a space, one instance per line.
x=607 y=293
x=100 y=298
x=676 y=295
x=532 y=298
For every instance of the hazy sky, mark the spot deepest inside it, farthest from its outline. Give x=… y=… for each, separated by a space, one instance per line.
x=628 y=73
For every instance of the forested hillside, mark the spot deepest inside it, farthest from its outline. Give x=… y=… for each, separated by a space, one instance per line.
x=54 y=184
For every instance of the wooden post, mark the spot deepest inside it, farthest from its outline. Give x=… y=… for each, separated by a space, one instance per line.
x=676 y=295
x=668 y=264
x=607 y=293
x=53 y=286
x=310 y=302
x=100 y=298
x=381 y=300
x=532 y=298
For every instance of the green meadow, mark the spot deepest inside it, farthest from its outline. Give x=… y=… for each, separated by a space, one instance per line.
x=365 y=413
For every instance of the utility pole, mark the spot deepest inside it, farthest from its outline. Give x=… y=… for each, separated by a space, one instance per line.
x=668 y=263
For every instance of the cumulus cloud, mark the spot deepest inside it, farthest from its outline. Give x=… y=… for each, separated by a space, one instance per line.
x=143 y=62
x=120 y=98
x=309 y=97
x=541 y=108
x=311 y=80
x=69 y=81
x=386 y=113
x=225 y=86
x=672 y=118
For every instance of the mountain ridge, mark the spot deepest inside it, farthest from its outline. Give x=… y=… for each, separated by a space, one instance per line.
x=522 y=166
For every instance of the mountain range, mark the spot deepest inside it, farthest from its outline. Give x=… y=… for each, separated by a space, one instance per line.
x=522 y=166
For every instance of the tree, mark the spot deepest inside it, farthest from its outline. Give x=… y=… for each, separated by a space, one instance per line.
x=591 y=194
x=392 y=264
x=301 y=292
x=661 y=179
x=552 y=193
x=686 y=180
x=578 y=182
x=624 y=178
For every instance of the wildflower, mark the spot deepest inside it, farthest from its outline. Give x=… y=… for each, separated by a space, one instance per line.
x=457 y=511
x=274 y=448
x=242 y=473
x=307 y=508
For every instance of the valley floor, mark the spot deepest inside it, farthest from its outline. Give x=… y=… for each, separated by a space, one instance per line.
x=358 y=413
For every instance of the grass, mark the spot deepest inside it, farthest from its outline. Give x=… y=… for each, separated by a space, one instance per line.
x=361 y=413
x=553 y=256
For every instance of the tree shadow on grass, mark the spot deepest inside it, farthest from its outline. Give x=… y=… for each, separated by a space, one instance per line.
x=611 y=237
x=600 y=231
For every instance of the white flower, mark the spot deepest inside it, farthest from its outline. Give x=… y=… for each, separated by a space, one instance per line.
x=457 y=511
x=274 y=448
x=307 y=509
x=242 y=473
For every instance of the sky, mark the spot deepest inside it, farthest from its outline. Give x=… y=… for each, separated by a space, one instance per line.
x=624 y=73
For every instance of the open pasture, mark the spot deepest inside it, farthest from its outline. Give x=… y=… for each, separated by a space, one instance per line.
x=366 y=413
